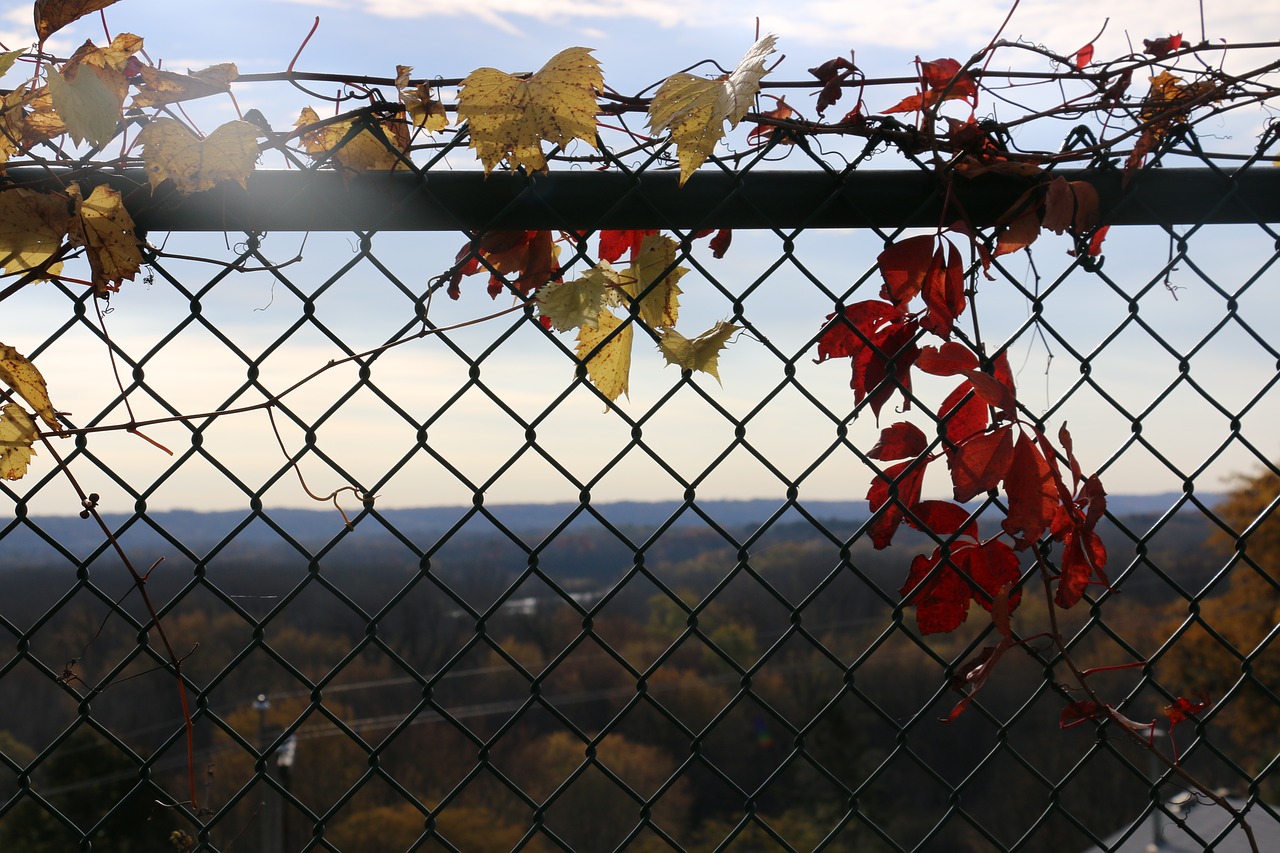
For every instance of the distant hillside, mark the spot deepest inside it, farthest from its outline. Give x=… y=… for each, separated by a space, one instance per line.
x=163 y=532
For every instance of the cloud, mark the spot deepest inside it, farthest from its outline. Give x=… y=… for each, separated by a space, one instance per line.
x=916 y=26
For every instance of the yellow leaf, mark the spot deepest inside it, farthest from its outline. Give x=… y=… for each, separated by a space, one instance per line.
x=164 y=87
x=53 y=15
x=86 y=100
x=362 y=152
x=115 y=55
x=655 y=265
x=610 y=368
x=570 y=304
x=171 y=151
x=700 y=353
x=22 y=376
x=105 y=229
x=425 y=111
x=32 y=225
x=17 y=434
x=7 y=59
x=509 y=118
x=695 y=109
x=402 y=76
x=42 y=122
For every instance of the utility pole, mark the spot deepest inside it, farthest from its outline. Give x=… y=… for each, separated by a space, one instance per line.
x=269 y=836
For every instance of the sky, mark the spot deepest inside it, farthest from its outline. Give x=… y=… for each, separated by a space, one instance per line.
x=638 y=42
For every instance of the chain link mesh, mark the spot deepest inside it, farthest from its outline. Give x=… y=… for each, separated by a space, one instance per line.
x=636 y=662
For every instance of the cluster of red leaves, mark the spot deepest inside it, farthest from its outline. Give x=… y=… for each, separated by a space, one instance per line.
x=523 y=258
x=985 y=445
x=940 y=80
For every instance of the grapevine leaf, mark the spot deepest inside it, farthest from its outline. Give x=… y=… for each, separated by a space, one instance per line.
x=610 y=367
x=171 y=151
x=17 y=434
x=653 y=279
x=158 y=87
x=22 y=376
x=32 y=225
x=8 y=58
x=903 y=440
x=694 y=109
x=104 y=228
x=374 y=145
x=509 y=118
x=53 y=15
x=424 y=110
x=87 y=103
x=571 y=304
x=699 y=353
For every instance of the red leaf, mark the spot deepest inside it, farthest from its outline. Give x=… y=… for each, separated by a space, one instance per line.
x=1033 y=495
x=1068 y=448
x=1116 y=90
x=1084 y=55
x=980 y=463
x=972 y=675
x=841 y=341
x=613 y=244
x=1059 y=206
x=948 y=360
x=720 y=243
x=944 y=292
x=1082 y=554
x=1162 y=47
x=992 y=391
x=939 y=73
x=1095 y=242
x=941 y=599
x=764 y=131
x=524 y=258
x=1000 y=370
x=1018 y=234
x=885 y=366
x=942 y=518
x=960 y=421
x=1076 y=713
x=903 y=440
x=993 y=566
x=904 y=266
x=1184 y=709
x=892 y=489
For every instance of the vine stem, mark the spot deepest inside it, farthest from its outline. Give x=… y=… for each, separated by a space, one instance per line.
x=140 y=583
x=1082 y=679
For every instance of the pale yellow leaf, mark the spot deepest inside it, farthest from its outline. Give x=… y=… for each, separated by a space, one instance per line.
x=509 y=118
x=115 y=55
x=362 y=152
x=106 y=231
x=53 y=15
x=695 y=109
x=86 y=100
x=571 y=304
x=41 y=122
x=171 y=151
x=17 y=434
x=700 y=353
x=7 y=59
x=23 y=376
x=424 y=110
x=652 y=280
x=32 y=226
x=610 y=368
x=402 y=76
x=164 y=87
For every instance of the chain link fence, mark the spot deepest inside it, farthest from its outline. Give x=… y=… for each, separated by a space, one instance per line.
x=556 y=623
